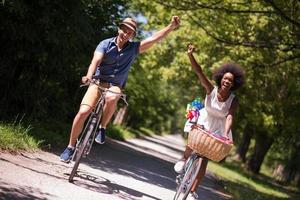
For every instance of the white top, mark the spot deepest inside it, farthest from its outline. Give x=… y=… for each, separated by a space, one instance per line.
x=213 y=115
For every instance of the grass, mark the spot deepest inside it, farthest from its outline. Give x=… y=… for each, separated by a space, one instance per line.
x=18 y=136
x=15 y=137
x=123 y=133
x=245 y=185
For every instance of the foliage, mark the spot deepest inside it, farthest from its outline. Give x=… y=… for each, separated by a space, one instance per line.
x=263 y=36
x=15 y=137
x=46 y=48
x=151 y=104
x=119 y=132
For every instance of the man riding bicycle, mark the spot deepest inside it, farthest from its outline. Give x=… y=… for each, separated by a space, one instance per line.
x=111 y=62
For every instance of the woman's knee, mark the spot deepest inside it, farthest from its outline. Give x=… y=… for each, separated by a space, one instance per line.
x=188 y=151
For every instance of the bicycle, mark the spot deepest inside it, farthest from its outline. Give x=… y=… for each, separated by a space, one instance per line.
x=186 y=178
x=87 y=137
x=216 y=149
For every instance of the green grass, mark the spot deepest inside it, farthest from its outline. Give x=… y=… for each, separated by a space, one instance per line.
x=124 y=133
x=119 y=133
x=245 y=185
x=51 y=133
x=15 y=137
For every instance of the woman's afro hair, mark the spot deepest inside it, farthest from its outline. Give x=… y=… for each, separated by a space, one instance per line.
x=233 y=68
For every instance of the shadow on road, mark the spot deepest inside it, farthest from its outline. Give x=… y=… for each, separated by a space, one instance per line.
x=100 y=184
x=21 y=193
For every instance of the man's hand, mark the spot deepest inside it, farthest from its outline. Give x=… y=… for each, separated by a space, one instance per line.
x=175 y=21
x=85 y=79
x=191 y=49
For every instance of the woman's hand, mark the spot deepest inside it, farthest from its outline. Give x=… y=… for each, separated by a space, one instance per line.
x=226 y=135
x=191 y=49
x=197 y=126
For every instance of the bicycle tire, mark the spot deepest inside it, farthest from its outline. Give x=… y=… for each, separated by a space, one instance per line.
x=91 y=128
x=190 y=175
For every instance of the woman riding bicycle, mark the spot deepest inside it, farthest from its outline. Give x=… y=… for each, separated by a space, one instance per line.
x=220 y=105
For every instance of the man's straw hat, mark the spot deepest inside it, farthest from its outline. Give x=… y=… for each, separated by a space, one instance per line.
x=130 y=23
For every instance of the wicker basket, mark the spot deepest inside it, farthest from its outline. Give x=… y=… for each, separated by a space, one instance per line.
x=207 y=145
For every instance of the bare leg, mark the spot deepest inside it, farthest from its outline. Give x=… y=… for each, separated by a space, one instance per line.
x=201 y=173
x=110 y=106
x=187 y=152
x=78 y=123
x=89 y=100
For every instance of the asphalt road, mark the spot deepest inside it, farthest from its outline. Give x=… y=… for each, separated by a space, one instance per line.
x=132 y=170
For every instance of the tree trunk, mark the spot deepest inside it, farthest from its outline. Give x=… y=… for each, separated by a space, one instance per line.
x=289 y=172
x=245 y=142
x=262 y=146
x=119 y=119
x=292 y=169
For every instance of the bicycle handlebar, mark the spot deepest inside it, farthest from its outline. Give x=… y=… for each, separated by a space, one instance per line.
x=104 y=90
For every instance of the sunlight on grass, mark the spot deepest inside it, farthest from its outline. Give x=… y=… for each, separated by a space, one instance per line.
x=242 y=186
x=119 y=132
x=15 y=136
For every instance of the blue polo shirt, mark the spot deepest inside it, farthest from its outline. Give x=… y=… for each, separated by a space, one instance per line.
x=115 y=65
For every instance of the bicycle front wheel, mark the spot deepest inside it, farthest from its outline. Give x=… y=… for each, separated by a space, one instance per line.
x=192 y=168
x=91 y=127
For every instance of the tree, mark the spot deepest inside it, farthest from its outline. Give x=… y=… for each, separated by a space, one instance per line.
x=46 y=47
x=263 y=36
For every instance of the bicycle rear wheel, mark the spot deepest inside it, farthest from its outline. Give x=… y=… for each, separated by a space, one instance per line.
x=91 y=127
x=192 y=168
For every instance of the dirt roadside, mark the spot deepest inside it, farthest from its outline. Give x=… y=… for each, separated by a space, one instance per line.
x=131 y=170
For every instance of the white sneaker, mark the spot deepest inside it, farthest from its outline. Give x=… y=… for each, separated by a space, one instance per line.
x=192 y=196
x=178 y=167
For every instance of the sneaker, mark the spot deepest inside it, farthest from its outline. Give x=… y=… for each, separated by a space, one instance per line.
x=192 y=196
x=178 y=167
x=100 y=138
x=67 y=154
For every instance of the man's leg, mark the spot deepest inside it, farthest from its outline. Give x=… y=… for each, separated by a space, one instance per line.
x=88 y=102
x=110 y=106
x=78 y=123
x=111 y=101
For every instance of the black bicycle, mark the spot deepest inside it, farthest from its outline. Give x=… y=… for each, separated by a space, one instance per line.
x=87 y=137
x=187 y=177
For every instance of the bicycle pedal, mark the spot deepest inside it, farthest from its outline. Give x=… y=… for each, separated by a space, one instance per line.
x=178 y=179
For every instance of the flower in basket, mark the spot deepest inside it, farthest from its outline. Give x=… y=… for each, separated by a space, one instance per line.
x=193 y=108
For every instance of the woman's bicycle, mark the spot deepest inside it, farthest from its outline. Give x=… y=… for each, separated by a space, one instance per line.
x=87 y=137
x=186 y=178
x=205 y=144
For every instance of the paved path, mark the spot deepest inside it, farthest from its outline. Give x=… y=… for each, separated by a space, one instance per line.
x=138 y=169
